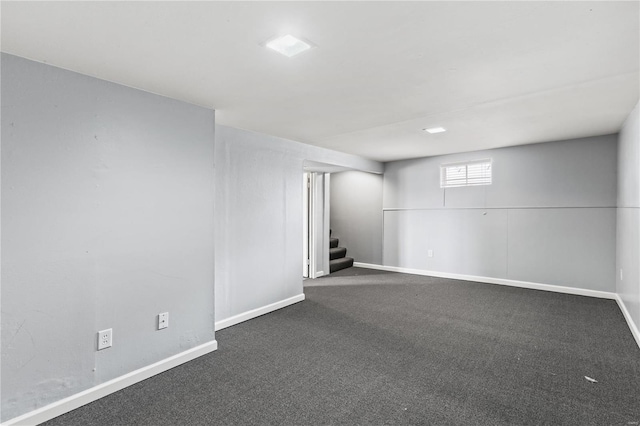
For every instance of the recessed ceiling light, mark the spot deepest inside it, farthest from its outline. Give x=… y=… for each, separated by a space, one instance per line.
x=435 y=130
x=288 y=45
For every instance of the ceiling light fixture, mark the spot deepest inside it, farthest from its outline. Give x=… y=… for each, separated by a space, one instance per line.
x=435 y=130
x=288 y=45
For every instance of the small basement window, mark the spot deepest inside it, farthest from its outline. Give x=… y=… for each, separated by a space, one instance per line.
x=469 y=173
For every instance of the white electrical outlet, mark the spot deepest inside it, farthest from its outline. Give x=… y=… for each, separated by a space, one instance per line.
x=105 y=339
x=429 y=253
x=621 y=276
x=163 y=320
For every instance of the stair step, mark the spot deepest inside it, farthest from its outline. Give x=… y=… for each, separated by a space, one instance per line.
x=333 y=242
x=342 y=263
x=337 y=252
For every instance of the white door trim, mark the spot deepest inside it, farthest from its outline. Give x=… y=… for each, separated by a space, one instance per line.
x=306 y=188
x=313 y=201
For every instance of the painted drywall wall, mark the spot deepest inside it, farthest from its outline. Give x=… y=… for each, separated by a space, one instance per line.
x=107 y=220
x=628 y=230
x=259 y=216
x=548 y=217
x=356 y=214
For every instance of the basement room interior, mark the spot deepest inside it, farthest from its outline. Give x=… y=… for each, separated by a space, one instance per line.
x=305 y=213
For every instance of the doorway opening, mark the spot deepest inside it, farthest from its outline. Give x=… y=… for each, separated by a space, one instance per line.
x=315 y=260
x=316 y=185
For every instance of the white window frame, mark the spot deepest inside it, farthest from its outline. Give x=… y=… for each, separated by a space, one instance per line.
x=462 y=178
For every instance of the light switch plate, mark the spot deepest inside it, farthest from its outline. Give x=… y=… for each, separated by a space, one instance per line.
x=163 y=320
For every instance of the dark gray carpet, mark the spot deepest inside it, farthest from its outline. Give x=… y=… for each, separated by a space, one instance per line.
x=370 y=347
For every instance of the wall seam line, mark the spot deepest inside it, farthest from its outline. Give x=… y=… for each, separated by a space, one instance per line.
x=503 y=208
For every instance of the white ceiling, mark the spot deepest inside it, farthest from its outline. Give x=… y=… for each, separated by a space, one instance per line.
x=493 y=73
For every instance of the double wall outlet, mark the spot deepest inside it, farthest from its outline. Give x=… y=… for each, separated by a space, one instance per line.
x=163 y=320
x=105 y=339
x=429 y=253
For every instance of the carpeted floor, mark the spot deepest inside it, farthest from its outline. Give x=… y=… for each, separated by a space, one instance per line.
x=371 y=347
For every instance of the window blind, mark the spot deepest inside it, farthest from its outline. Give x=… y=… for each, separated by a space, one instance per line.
x=471 y=173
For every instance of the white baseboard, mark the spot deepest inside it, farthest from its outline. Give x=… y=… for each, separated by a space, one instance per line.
x=82 y=398
x=72 y=402
x=489 y=280
x=237 y=319
x=627 y=316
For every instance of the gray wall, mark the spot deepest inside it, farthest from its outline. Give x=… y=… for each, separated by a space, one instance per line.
x=259 y=216
x=628 y=232
x=549 y=216
x=356 y=214
x=107 y=220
